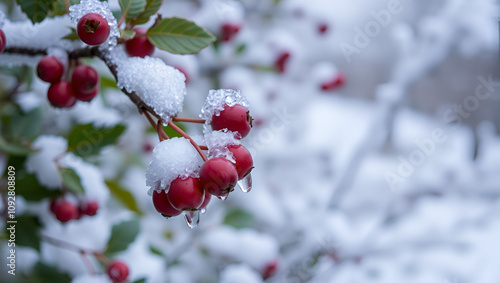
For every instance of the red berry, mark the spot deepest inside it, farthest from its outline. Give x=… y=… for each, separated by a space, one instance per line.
x=208 y=196
x=186 y=194
x=118 y=271
x=184 y=72
x=50 y=69
x=322 y=28
x=218 y=176
x=163 y=206
x=3 y=41
x=281 y=61
x=93 y=29
x=270 y=269
x=234 y=118
x=228 y=31
x=65 y=210
x=335 y=83
x=139 y=46
x=60 y=95
x=85 y=82
x=89 y=208
x=243 y=160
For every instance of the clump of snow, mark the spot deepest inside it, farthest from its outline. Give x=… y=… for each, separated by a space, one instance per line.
x=172 y=158
x=2 y=18
x=159 y=85
x=76 y=12
x=217 y=143
x=42 y=162
x=217 y=99
x=240 y=273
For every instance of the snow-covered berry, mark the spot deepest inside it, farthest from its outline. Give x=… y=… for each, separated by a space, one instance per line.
x=93 y=29
x=233 y=118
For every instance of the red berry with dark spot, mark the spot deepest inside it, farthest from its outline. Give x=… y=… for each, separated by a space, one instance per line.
x=281 y=61
x=186 y=194
x=89 y=208
x=85 y=82
x=243 y=160
x=3 y=41
x=50 y=69
x=234 y=118
x=334 y=83
x=270 y=269
x=163 y=205
x=118 y=271
x=218 y=176
x=322 y=28
x=229 y=31
x=139 y=46
x=65 y=210
x=93 y=29
x=60 y=95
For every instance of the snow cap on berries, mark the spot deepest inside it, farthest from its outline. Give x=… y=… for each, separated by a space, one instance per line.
x=159 y=85
x=217 y=99
x=172 y=158
x=76 y=12
x=217 y=143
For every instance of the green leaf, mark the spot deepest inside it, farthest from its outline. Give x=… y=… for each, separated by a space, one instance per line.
x=59 y=8
x=36 y=10
x=43 y=273
x=123 y=195
x=132 y=8
x=127 y=33
x=72 y=35
x=31 y=190
x=14 y=148
x=142 y=280
x=27 y=228
x=179 y=36
x=122 y=235
x=71 y=180
x=152 y=7
x=171 y=133
x=85 y=140
x=241 y=48
x=238 y=218
x=26 y=126
x=155 y=251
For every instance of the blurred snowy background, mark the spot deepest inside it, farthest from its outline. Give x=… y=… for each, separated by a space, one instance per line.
x=376 y=148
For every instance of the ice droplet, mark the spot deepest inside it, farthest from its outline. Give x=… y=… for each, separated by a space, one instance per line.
x=192 y=218
x=223 y=197
x=203 y=210
x=245 y=184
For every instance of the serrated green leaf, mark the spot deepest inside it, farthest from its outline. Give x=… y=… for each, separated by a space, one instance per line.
x=127 y=34
x=179 y=36
x=123 y=196
x=73 y=35
x=26 y=126
x=26 y=230
x=238 y=218
x=71 y=180
x=42 y=273
x=152 y=7
x=132 y=8
x=31 y=190
x=85 y=140
x=16 y=149
x=36 y=10
x=122 y=235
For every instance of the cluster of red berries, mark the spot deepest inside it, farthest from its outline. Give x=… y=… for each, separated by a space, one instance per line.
x=65 y=210
x=3 y=41
x=217 y=176
x=118 y=271
x=84 y=84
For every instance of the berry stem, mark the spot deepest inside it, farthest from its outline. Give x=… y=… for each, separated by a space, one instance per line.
x=161 y=134
x=183 y=134
x=121 y=21
x=188 y=120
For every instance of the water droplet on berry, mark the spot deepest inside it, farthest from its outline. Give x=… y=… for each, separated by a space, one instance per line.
x=223 y=197
x=245 y=184
x=203 y=210
x=192 y=218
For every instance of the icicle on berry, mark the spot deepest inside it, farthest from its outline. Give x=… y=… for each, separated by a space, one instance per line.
x=246 y=183
x=192 y=218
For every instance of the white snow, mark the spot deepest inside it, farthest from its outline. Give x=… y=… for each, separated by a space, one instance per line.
x=217 y=143
x=159 y=85
x=240 y=273
x=217 y=99
x=42 y=162
x=172 y=158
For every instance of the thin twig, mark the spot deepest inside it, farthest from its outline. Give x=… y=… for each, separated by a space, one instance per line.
x=188 y=120
x=183 y=134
